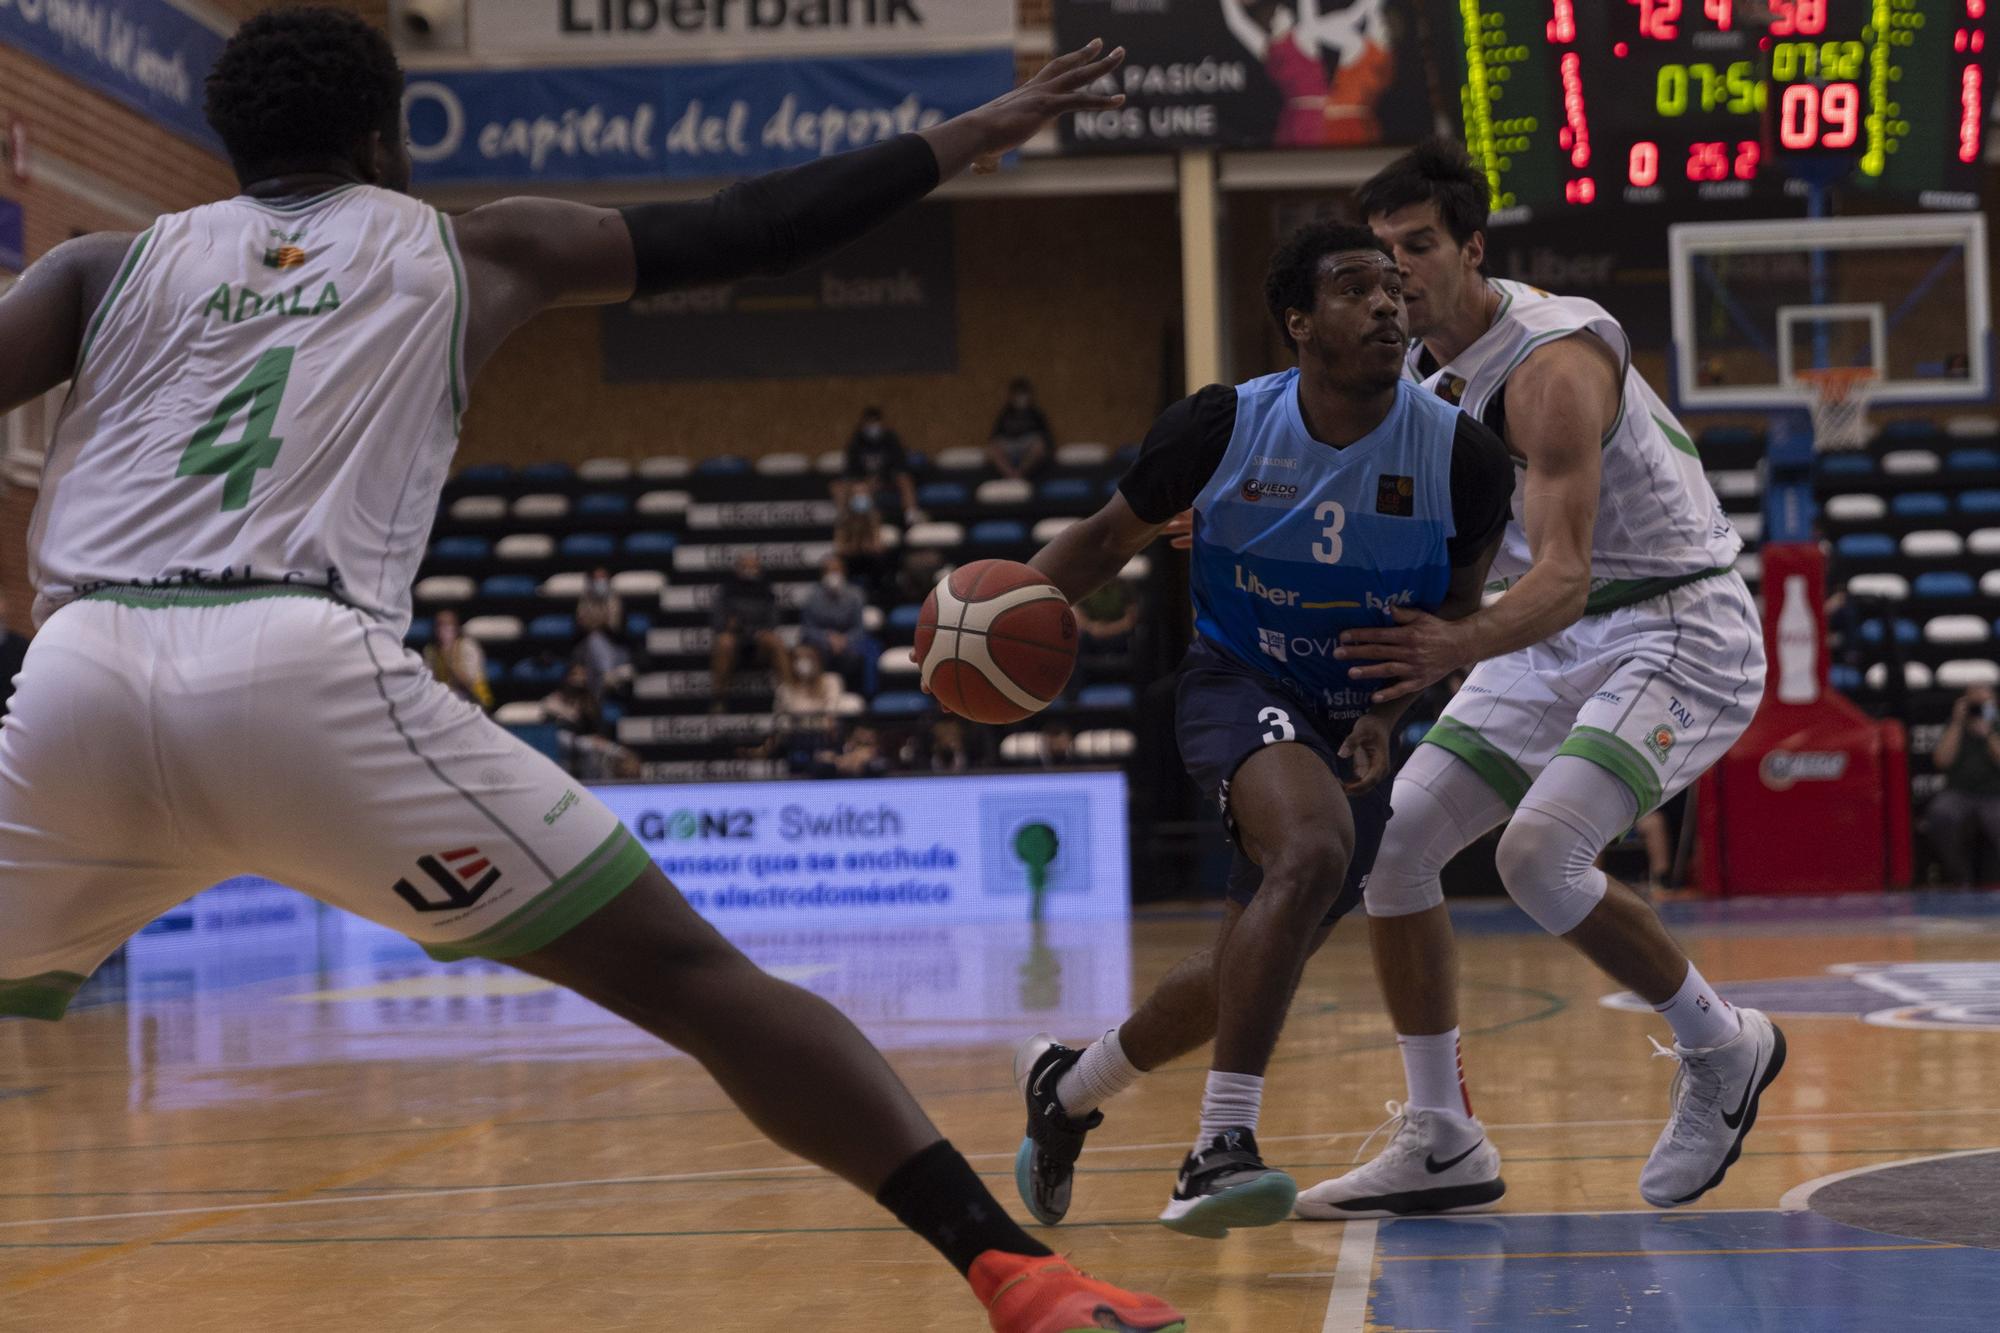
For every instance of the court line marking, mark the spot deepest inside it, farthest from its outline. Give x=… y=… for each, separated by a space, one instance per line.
x=1664 y=1254
x=1353 y=1275
x=215 y=1217
x=1798 y=1198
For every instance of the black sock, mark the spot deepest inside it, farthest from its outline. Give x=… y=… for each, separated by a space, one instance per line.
x=936 y=1195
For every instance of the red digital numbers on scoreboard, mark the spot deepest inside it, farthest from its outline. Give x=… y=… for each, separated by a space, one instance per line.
x=1658 y=19
x=1562 y=27
x=1708 y=162
x=1580 y=191
x=1800 y=18
x=1720 y=12
x=1642 y=166
x=1748 y=154
x=1810 y=117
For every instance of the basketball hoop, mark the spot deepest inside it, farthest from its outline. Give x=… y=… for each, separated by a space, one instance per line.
x=1837 y=397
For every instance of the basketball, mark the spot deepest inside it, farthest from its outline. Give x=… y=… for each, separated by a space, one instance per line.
x=996 y=641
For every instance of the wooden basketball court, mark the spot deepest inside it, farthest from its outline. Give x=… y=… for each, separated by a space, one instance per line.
x=278 y=1118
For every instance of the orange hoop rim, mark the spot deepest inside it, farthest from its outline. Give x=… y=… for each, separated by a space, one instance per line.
x=1835 y=384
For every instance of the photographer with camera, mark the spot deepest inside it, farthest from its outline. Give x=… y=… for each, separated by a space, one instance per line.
x=1968 y=754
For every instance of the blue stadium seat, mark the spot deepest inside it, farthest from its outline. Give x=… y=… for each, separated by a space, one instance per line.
x=1866 y=546
x=1972 y=460
x=612 y=710
x=1910 y=428
x=553 y=626
x=544 y=473
x=588 y=546
x=1127 y=455
x=543 y=736
x=484 y=474
x=997 y=532
x=1846 y=465
x=1944 y=583
x=604 y=503
x=1844 y=678
x=1979 y=502
x=722 y=465
x=535 y=671
x=461 y=548
x=1726 y=436
x=508 y=585
x=1906 y=631
x=906 y=616
x=638 y=625
x=902 y=703
x=918 y=460
x=1067 y=490
x=1920 y=504
x=1112 y=695
x=1110 y=487
x=419 y=632
x=650 y=543
x=935 y=494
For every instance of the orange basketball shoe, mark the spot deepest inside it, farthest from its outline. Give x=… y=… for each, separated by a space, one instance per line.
x=1026 y=1293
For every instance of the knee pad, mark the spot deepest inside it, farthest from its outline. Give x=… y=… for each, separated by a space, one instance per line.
x=1550 y=868
x=1421 y=837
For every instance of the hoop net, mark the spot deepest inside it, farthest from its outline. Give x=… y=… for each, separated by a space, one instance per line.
x=1837 y=397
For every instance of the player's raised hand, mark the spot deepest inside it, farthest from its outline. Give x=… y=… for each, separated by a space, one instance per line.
x=1413 y=654
x=1367 y=748
x=980 y=137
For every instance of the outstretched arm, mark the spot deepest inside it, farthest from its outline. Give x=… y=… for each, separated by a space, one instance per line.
x=43 y=319
x=526 y=255
x=1087 y=555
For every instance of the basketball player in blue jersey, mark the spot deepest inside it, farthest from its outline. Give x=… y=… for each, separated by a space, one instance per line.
x=266 y=394
x=1324 y=498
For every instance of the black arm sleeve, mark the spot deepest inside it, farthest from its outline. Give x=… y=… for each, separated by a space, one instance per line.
x=779 y=222
x=1181 y=454
x=1482 y=490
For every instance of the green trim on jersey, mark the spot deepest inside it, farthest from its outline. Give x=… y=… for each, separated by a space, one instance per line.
x=146 y=598
x=558 y=909
x=1621 y=593
x=45 y=995
x=1677 y=439
x=1616 y=756
x=297 y=205
x=1502 y=774
x=132 y=257
x=456 y=351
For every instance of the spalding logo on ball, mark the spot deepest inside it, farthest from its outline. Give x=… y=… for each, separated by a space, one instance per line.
x=996 y=641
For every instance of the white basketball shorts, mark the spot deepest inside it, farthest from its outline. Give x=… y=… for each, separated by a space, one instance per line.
x=1654 y=693
x=163 y=740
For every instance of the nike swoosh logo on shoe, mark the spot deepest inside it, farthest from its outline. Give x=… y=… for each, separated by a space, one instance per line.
x=1437 y=1168
x=1749 y=1091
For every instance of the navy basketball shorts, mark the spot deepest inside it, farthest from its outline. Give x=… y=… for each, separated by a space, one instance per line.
x=1225 y=713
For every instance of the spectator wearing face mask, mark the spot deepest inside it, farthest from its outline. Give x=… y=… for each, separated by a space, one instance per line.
x=805 y=686
x=577 y=709
x=600 y=610
x=830 y=619
x=457 y=660
x=1021 y=445
x=878 y=468
x=745 y=621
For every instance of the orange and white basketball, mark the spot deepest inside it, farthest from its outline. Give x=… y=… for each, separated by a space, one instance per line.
x=996 y=641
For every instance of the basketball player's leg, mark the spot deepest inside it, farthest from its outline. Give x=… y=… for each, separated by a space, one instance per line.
x=482 y=847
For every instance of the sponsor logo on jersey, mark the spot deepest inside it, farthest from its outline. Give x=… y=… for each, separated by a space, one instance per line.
x=1682 y=715
x=561 y=807
x=1274 y=460
x=1247 y=581
x=1782 y=769
x=1255 y=489
x=1395 y=496
x=461 y=876
x=1661 y=742
x=1272 y=643
x=1393 y=600
x=1941 y=995
x=1451 y=388
x=1607 y=696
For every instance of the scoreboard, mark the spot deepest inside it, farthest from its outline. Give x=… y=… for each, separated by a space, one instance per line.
x=1574 y=103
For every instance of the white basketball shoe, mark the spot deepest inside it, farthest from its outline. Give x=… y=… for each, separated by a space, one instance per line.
x=1714 y=1097
x=1436 y=1162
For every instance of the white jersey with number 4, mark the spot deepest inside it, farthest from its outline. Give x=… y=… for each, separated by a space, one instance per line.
x=269 y=393
x=1658 y=520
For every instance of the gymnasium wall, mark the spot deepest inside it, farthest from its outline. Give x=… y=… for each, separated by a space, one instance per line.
x=1082 y=296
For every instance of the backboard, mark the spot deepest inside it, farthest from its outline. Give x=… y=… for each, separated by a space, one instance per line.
x=1755 y=303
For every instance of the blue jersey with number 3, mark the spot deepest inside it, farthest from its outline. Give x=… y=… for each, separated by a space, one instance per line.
x=1295 y=541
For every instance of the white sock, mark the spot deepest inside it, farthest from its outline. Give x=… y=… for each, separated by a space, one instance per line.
x=1230 y=1101
x=1435 y=1073
x=1100 y=1075
x=1699 y=1017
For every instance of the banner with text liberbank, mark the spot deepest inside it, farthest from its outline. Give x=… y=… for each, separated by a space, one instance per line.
x=648 y=122
x=148 y=54
x=905 y=850
x=727 y=29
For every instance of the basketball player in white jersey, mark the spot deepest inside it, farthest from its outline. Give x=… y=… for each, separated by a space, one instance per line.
x=266 y=394
x=1625 y=657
